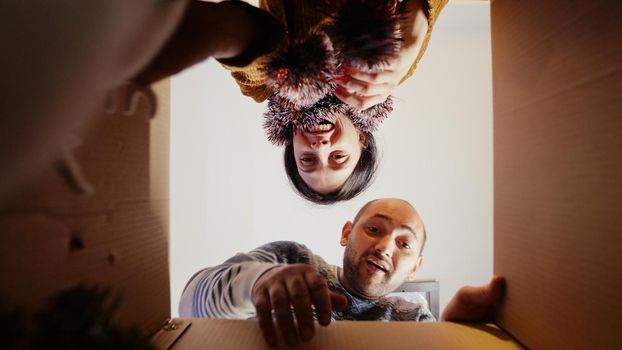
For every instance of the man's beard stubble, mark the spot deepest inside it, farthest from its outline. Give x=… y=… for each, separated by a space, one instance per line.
x=352 y=261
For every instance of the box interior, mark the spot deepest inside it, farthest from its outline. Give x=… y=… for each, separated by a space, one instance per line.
x=100 y=213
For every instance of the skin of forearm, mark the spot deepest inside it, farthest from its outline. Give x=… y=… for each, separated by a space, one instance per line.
x=219 y=30
x=236 y=30
x=414 y=27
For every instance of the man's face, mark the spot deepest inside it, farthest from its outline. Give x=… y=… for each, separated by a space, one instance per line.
x=382 y=248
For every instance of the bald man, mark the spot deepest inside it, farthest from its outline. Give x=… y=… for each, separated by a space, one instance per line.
x=383 y=249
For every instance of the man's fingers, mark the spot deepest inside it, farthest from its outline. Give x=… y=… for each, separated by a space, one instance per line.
x=301 y=301
x=281 y=306
x=264 y=317
x=475 y=303
x=296 y=289
x=484 y=295
x=494 y=290
x=338 y=301
x=319 y=297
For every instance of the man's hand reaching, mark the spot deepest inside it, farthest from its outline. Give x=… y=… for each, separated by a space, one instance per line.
x=475 y=304
x=293 y=290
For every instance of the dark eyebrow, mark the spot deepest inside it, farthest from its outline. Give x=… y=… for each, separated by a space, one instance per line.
x=403 y=227
x=310 y=170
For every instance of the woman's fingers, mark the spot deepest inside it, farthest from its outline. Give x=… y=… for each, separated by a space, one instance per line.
x=363 y=88
x=379 y=77
x=359 y=102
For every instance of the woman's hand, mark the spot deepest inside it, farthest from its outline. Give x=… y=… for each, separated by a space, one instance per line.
x=362 y=90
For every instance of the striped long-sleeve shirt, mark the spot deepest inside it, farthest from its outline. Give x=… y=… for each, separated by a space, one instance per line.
x=224 y=291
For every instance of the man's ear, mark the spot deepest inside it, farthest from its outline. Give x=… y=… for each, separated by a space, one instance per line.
x=411 y=276
x=345 y=233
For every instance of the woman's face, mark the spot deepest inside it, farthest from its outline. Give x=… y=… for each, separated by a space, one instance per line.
x=327 y=153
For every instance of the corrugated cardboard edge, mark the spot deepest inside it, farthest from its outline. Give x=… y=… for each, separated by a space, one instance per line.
x=245 y=334
x=557 y=77
x=168 y=334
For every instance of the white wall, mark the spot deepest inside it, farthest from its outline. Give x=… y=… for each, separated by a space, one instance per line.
x=230 y=193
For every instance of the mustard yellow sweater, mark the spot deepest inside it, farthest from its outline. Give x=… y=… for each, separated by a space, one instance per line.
x=308 y=15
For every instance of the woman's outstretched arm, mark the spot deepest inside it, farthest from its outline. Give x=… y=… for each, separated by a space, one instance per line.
x=231 y=31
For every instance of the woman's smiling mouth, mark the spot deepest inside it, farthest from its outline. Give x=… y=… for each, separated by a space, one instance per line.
x=321 y=127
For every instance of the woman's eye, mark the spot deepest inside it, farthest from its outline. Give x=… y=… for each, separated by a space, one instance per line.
x=306 y=160
x=339 y=157
x=405 y=245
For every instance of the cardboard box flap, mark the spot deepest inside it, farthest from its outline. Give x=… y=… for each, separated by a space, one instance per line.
x=557 y=78
x=245 y=334
x=99 y=216
x=168 y=334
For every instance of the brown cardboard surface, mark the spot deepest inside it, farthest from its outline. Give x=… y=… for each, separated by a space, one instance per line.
x=170 y=332
x=57 y=59
x=243 y=334
x=557 y=78
x=98 y=215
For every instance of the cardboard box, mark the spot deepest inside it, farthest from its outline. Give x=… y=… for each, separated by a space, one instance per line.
x=557 y=96
x=98 y=215
x=558 y=192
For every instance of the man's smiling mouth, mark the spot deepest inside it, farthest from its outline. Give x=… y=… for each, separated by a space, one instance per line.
x=377 y=265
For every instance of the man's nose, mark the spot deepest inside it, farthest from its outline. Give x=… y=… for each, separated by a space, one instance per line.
x=385 y=246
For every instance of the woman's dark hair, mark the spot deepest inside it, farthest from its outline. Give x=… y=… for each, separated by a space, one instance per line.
x=361 y=177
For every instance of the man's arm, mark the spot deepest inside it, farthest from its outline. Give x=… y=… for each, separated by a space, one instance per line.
x=270 y=280
x=224 y=291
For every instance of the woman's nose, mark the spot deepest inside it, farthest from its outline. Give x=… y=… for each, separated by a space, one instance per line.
x=319 y=142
